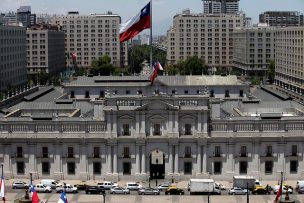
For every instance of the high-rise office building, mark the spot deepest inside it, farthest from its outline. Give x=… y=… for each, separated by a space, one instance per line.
x=289 y=71
x=282 y=18
x=45 y=50
x=221 y=6
x=208 y=36
x=12 y=56
x=10 y=18
x=25 y=16
x=253 y=49
x=91 y=36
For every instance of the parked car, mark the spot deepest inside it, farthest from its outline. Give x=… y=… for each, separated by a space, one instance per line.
x=82 y=185
x=174 y=191
x=94 y=190
x=163 y=186
x=148 y=191
x=301 y=190
x=50 y=182
x=221 y=186
x=41 y=188
x=119 y=190
x=237 y=191
x=284 y=189
x=300 y=184
x=67 y=188
x=133 y=186
x=260 y=190
x=107 y=185
x=18 y=184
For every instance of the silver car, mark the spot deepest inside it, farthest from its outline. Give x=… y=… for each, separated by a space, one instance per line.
x=237 y=191
x=119 y=190
x=148 y=191
x=163 y=186
x=18 y=184
x=42 y=188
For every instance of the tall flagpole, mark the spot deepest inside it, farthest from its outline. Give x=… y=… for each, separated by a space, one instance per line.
x=151 y=48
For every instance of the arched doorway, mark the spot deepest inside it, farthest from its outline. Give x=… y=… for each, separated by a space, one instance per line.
x=157 y=164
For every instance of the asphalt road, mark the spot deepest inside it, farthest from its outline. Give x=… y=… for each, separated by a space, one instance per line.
x=81 y=197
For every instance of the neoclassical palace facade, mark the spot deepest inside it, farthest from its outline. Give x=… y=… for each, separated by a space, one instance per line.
x=111 y=128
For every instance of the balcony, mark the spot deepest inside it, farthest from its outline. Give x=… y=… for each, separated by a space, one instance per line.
x=126 y=156
x=188 y=155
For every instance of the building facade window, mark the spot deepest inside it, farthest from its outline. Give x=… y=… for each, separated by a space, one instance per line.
x=101 y=94
x=241 y=93
x=126 y=168
x=188 y=130
x=126 y=129
x=227 y=94
x=96 y=168
x=294 y=166
x=211 y=93
x=20 y=167
x=87 y=94
x=243 y=151
x=217 y=151
x=188 y=168
x=96 y=153
x=45 y=152
x=217 y=167
x=72 y=94
x=268 y=167
x=187 y=152
x=269 y=150
x=70 y=152
x=19 y=152
x=294 y=150
x=71 y=168
x=46 y=168
x=243 y=167
x=126 y=152
x=156 y=130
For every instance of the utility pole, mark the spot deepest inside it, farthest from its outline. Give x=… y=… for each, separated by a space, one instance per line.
x=247 y=193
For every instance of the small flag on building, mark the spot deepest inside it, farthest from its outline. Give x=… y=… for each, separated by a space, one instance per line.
x=156 y=68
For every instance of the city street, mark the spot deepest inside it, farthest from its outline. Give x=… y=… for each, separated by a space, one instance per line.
x=81 y=197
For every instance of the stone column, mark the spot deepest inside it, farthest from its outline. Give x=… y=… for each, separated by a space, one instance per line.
x=205 y=123
x=109 y=121
x=199 y=159
x=7 y=167
x=143 y=159
x=176 y=122
x=199 y=122
x=204 y=159
x=143 y=124
x=115 y=160
x=137 y=123
x=83 y=162
x=170 y=129
x=137 y=167
x=170 y=169
x=109 y=159
x=114 y=123
x=58 y=170
x=281 y=158
x=176 y=160
x=31 y=152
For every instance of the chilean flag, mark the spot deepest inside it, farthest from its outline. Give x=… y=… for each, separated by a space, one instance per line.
x=35 y=198
x=63 y=198
x=2 y=188
x=136 y=24
x=156 y=67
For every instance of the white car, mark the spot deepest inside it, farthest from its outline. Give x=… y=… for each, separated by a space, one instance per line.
x=284 y=189
x=221 y=186
x=67 y=188
x=107 y=185
x=237 y=191
x=119 y=190
x=41 y=188
x=163 y=186
x=133 y=186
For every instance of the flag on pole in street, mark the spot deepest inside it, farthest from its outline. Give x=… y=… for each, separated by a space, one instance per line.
x=279 y=193
x=35 y=198
x=156 y=68
x=63 y=198
x=136 y=24
x=2 y=188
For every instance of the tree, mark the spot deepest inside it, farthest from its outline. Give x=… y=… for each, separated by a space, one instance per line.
x=139 y=53
x=271 y=71
x=102 y=66
x=172 y=70
x=192 y=65
x=255 y=81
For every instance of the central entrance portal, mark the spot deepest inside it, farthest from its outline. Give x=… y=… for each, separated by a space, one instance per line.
x=157 y=164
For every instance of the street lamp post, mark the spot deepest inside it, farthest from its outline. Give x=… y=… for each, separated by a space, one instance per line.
x=104 y=196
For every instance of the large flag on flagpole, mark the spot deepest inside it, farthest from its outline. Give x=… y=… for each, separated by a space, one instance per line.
x=2 y=188
x=156 y=68
x=63 y=198
x=136 y=24
x=35 y=198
